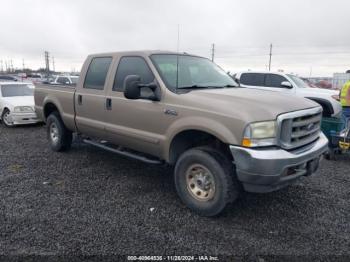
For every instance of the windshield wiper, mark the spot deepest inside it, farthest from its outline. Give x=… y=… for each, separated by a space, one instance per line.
x=230 y=85
x=193 y=87
x=202 y=87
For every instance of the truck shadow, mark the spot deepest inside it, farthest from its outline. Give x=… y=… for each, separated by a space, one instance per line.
x=157 y=180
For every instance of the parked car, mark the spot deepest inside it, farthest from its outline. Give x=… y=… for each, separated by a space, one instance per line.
x=17 y=104
x=293 y=85
x=34 y=78
x=66 y=80
x=183 y=110
x=8 y=78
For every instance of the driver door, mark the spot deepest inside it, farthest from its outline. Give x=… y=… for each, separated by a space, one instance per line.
x=136 y=124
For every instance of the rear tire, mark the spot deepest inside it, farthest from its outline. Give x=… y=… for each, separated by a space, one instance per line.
x=59 y=136
x=205 y=181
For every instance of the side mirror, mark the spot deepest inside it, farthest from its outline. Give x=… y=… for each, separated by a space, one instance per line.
x=132 y=89
x=67 y=83
x=286 y=84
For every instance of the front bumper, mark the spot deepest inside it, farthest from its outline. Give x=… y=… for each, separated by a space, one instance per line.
x=24 y=118
x=266 y=170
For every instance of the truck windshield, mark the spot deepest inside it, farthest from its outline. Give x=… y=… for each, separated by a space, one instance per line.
x=17 y=90
x=190 y=72
x=300 y=82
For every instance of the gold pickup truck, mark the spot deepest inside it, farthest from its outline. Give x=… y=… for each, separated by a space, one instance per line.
x=183 y=110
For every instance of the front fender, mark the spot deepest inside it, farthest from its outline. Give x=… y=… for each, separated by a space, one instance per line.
x=210 y=126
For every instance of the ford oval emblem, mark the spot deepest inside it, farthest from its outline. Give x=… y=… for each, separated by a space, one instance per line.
x=310 y=126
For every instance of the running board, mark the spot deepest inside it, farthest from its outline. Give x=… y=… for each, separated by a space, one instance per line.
x=123 y=152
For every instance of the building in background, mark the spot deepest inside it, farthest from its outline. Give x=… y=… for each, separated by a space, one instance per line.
x=320 y=82
x=339 y=79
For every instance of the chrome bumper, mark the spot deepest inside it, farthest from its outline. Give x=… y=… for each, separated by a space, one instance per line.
x=266 y=170
x=24 y=118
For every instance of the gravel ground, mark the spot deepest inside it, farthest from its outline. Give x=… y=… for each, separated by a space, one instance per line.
x=91 y=202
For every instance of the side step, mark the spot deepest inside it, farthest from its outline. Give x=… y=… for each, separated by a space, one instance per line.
x=122 y=152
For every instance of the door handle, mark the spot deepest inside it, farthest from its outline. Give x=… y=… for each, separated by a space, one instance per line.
x=108 y=103
x=80 y=99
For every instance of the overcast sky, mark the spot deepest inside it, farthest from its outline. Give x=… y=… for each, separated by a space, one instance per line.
x=308 y=37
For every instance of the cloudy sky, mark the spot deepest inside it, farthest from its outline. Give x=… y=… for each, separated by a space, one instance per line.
x=309 y=37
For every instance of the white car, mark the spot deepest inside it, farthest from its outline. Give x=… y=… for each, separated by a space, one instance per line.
x=293 y=85
x=17 y=104
x=66 y=80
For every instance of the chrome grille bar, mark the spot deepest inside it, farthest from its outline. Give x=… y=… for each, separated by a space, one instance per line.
x=299 y=128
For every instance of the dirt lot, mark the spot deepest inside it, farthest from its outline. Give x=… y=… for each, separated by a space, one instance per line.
x=92 y=202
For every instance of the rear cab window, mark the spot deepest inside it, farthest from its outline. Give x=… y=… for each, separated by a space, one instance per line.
x=252 y=79
x=97 y=72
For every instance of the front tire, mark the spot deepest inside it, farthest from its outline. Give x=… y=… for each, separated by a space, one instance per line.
x=6 y=118
x=205 y=182
x=59 y=136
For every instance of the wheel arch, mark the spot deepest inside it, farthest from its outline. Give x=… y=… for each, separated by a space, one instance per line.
x=326 y=105
x=194 y=137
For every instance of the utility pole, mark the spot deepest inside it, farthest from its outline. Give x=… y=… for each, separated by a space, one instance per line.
x=6 y=67
x=23 y=65
x=11 y=66
x=310 y=71
x=270 y=57
x=53 y=64
x=2 y=66
x=47 y=63
x=212 y=52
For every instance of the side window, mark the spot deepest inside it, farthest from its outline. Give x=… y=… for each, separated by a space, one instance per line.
x=132 y=65
x=252 y=79
x=97 y=72
x=273 y=80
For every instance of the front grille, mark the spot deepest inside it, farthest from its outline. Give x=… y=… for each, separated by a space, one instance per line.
x=299 y=128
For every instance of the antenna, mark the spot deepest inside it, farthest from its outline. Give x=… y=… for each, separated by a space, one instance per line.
x=177 y=56
x=178 y=38
x=270 y=57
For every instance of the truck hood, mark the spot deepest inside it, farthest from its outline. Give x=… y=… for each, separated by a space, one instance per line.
x=19 y=100
x=320 y=91
x=252 y=104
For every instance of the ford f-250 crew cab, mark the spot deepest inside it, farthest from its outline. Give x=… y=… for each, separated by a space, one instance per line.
x=180 y=109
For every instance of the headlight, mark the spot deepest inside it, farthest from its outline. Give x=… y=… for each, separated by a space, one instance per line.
x=23 y=109
x=260 y=134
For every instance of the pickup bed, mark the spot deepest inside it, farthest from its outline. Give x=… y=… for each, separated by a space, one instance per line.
x=183 y=110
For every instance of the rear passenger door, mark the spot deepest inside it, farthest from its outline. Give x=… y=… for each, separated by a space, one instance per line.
x=90 y=98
